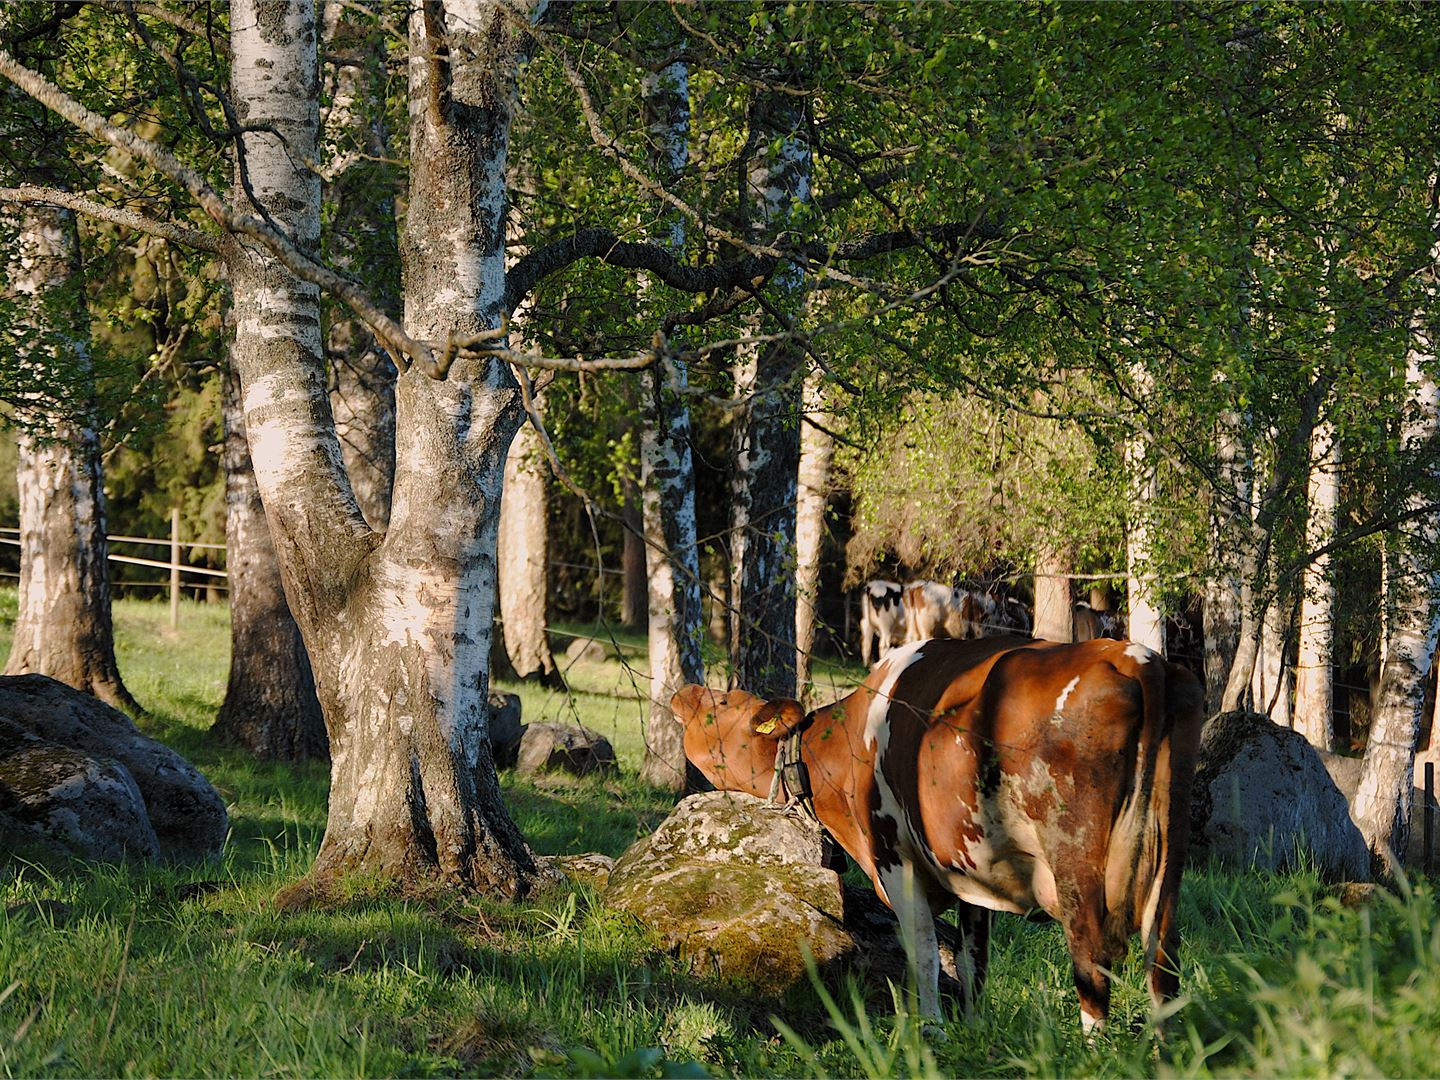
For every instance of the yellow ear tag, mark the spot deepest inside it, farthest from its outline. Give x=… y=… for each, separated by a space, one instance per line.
x=768 y=727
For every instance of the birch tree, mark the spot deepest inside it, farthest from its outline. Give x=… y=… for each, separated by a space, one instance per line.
x=768 y=455
x=1382 y=803
x=667 y=477
x=1314 y=686
x=524 y=554
x=817 y=451
x=63 y=628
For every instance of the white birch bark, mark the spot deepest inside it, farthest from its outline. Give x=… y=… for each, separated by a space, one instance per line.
x=524 y=553
x=667 y=480
x=1224 y=593
x=817 y=451
x=360 y=188
x=1314 y=685
x=1270 y=683
x=1054 y=608
x=778 y=179
x=64 y=627
x=1146 y=620
x=397 y=627
x=1382 y=803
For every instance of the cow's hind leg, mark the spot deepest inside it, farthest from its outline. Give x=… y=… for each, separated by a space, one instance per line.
x=1085 y=933
x=906 y=896
x=973 y=958
x=1163 y=949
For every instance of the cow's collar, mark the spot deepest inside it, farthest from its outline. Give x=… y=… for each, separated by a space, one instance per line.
x=791 y=785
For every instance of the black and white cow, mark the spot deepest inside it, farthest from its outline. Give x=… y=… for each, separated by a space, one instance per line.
x=882 y=618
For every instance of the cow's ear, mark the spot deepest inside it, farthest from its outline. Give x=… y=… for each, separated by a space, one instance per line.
x=776 y=719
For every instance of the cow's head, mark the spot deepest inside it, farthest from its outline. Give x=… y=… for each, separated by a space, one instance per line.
x=732 y=737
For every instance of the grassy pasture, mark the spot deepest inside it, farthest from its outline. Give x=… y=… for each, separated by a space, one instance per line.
x=119 y=970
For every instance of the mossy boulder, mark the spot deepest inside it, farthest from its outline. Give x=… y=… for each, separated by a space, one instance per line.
x=56 y=798
x=184 y=811
x=1263 y=797
x=736 y=886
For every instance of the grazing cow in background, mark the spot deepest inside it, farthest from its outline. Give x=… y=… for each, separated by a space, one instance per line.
x=882 y=618
x=933 y=610
x=1092 y=623
x=1003 y=775
x=928 y=607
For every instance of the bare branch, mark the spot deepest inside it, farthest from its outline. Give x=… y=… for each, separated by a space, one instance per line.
x=116 y=215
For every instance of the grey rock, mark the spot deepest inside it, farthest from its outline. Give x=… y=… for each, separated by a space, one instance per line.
x=586 y=649
x=1263 y=796
x=185 y=811
x=505 y=728
x=62 y=799
x=561 y=747
x=735 y=885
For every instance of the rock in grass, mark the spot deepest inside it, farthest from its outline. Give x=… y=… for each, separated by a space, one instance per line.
x=592 y=868
x=184 y=811
x=505 y=728
x=587 y=649
x=61 y=799
x=737 y=887
x=1263 y=797
x=564 y=748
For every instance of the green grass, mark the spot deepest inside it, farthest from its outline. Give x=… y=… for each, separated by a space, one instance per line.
x=132 y=975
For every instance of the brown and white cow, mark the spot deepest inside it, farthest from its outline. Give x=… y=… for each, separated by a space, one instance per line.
x=882 y=618
x=1004 y=774
x=933 y=610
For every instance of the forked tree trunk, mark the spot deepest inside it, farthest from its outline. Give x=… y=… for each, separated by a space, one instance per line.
x=667 y=481
x=817 y=451
x=1054 y=608
x=360 y=192
x=525 y=558
x=1146 y=625
x=1381 y=807
x=270 y=706
x=1314 y=687
x=64 y=627
x=398 y=628
x=778 y=178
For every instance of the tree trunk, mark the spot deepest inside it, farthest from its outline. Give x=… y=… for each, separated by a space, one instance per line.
x=360 y=192
x=64 y=627
x=667 y=480
x=1054 y=609
x=1314 y=686
x=769 y=455
x=1270 y=683
x=1223 y=590
x=1381 y=807
x=525 y=558
x=1146 y=624
x=270 y=706
x=817 y=451
x=397 y=627
x=634 y=590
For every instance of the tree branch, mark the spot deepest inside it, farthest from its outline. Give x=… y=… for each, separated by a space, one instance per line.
x=116 y=215
x=386 y=330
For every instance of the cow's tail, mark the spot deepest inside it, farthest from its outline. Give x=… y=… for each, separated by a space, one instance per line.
x=1147 y=846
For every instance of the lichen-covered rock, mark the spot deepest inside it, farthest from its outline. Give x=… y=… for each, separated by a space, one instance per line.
x=586 y=649
x=61 y=799
x=186 y=813
x=1262 y=795
x=561 y=747
x=735 y=885
x=505 y=728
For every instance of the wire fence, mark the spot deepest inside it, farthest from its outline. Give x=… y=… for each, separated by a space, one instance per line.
x=211 y=578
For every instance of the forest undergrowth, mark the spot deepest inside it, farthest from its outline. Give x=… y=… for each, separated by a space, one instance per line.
x=109 y=971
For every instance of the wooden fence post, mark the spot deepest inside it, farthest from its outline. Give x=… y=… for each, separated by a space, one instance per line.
x=174 y=568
